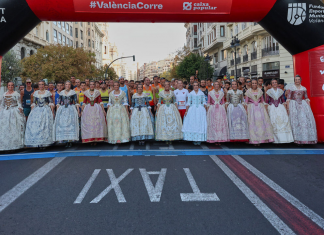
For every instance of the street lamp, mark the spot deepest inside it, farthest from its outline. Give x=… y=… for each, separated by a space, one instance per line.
x=115 y=60
x=235 y=43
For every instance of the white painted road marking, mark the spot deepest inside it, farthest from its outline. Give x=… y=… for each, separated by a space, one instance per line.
x=10 y=196
x=196 y=196
x=87 y=186
x=276 y=222
x=204 y=146
x=167 y=148
x=290 y=198
x=154 y=192
x=114 y=185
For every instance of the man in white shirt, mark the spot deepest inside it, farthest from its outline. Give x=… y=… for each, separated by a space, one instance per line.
x=181 y=95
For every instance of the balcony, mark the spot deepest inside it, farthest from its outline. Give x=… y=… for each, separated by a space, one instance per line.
x=238 y=60
x=245 y=58
x=232 y=62
x=270 y=51
x=254 y=55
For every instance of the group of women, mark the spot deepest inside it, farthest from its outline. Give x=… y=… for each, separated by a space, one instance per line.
x=255 y=118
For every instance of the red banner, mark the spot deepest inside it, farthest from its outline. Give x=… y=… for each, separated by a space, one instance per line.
x=153 y=6
x=316 y=70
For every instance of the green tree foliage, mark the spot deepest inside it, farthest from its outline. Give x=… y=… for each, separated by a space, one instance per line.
x=166 y=75
x=111 y=74
x=11 y=67
x=59 y=63
x=192 y=62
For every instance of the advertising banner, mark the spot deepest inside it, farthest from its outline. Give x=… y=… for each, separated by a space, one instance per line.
x=150 y=6
x=316 y=73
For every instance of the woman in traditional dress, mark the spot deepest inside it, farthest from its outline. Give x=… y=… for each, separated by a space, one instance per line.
x=300 y=114
x=66 y=125
x=118 y=117
x=142 y=120
x=195 y=121
x=278 y=114
x=12 y=120
x=217 y=124
x=93 y=122
x=259 y=122
x=39 y=129
x=236 y=115
x=168 y=120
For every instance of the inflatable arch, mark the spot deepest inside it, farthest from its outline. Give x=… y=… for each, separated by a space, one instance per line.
x=298 y=25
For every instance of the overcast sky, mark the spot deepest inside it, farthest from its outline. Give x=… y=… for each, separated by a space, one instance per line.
x=147 y=41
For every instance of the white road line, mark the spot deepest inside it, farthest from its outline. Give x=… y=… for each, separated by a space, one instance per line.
x=276 y=222
x=224 y=147
x=147 y=147
x=87 y=187
x=196 y=196
x=166 y=148
x=154 y=192
x=10 y=196
x=114 y=185
x=204 y=146
x=294 y=201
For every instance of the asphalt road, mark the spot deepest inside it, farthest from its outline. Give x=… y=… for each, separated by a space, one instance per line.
x=162 y=194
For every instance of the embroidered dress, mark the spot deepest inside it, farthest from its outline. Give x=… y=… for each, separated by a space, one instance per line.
x=301 y=116
x=237 y=117
x=142 y=120
x=117 y=118
x=278 y=116
x=93 y=123
x=66 y=125
x=217 y=124
x=39 y=128
x=259 y=122
x=168 y=121
x=195 y=122
x=12 y=122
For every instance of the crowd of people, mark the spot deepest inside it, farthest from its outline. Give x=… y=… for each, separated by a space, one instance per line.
x=116 y=112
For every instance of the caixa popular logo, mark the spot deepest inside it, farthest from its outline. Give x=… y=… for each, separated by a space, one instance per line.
x=296 y=13
x=187 y=6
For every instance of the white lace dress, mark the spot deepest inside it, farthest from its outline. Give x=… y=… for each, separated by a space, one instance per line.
x=195 y=123
x=12 y=122
x=39 y=129
x=66 y=126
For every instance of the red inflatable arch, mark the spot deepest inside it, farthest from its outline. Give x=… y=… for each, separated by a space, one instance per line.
x=296 y=24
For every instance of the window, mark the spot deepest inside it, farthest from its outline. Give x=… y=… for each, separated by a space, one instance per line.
x=76 y=44
x=222 y=31
x=92 y=44
x=76 y=33
x=89 y=43
x=105 y=50
x=223 y=55
x=245 y=50
x=63 y=26
x=60 y=38
x=216 y=57
x=54 y=22
x=243 y=26
x=67 y=41
x=71 y=43
x=89 y=32
x=270 y=42
x=231 y=32
x=81 y=24
x=71 y=33
x=47 y=36
x=22 y=52
x=88 y=23
x=254 y=68
x=64 y=40
x=271 y=66
x=236 y=29
x=215 y=32
x=92 y=33
x=238 y=53
x=81 y=34
x=55 y=35
x=59 y=24
x=67 y=27
x=254 y=46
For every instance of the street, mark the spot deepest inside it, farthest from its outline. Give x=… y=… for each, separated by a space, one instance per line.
x=81 y=191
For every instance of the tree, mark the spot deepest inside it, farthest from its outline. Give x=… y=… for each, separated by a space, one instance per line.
x=166 y=75
x=11 y=67
x=181 y=54
x=111 y=74
x=192 y=62
x=59 y=63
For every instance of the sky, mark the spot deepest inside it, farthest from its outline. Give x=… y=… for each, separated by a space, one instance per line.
x=147 y=41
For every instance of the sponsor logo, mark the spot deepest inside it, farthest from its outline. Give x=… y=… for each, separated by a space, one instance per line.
x=322 y=58
x=296 y=13
x=129 y=5
x=322 y=72
x=198 y=6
